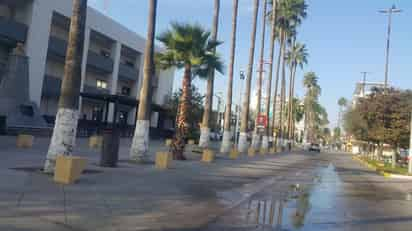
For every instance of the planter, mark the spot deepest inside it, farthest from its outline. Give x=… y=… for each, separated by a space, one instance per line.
x=68 y=169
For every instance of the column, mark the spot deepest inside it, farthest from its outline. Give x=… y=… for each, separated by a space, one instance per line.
x=84 y=63
x=116 y=52
x=36 y=46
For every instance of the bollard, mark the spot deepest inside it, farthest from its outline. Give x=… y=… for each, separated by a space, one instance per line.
x=95 y=141
x=191 y=142
x=208 y=156
x=24 y=141
x=68 y=169
x=163 y=160
x=263 y=151
x=168 y=142
x=234 y=154
x=251 y=152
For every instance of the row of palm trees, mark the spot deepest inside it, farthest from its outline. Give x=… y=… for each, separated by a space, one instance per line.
x=193 y=49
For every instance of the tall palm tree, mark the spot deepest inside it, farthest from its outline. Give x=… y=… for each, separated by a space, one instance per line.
x=64 y=133
x=243 y=143
x=205 y=129
x=342 y=102
x=226 y=144
x=256 y=135
x=188 y=47
x=311 y=105
x=265 y=138
x=296 y=57
x=140 y=144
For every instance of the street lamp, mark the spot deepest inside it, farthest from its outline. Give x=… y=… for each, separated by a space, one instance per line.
x=242 y=77
x=389 y=12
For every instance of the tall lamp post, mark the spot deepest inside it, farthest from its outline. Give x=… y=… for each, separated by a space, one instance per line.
x=389 y=12
x=242 y=77
x=410 y=150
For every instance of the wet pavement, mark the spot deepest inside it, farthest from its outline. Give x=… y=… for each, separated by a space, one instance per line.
x=289 y=191
x=334 y=193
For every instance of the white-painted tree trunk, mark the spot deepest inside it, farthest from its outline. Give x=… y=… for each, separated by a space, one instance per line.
x=243 y=144
x=256 y=140
x=140 y=144
x=265 y=142
x=226 y=142
x=204 y=137
x=64 y=137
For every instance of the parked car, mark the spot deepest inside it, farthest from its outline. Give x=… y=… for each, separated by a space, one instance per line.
x=403 y=157
x=314 y=148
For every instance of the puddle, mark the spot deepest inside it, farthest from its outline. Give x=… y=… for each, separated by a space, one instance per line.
x=302 y=206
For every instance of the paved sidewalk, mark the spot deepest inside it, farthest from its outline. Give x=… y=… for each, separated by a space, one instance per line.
x=130 y=197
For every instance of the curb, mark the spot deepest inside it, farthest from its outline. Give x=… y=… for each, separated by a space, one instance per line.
x=381 y=172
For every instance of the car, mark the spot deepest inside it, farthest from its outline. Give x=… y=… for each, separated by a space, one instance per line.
x=314 y=148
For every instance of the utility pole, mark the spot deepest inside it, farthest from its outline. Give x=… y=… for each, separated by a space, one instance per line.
x=242 y=77
x=364 y=73
x=389 y=12
x=410 y=150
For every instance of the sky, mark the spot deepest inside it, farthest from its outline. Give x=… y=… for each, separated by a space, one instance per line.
x=344 y=38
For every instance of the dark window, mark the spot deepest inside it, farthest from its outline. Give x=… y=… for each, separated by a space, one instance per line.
x=129 y=63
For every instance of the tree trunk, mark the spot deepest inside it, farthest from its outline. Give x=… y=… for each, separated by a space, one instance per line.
x=282 y=103
x=182 y=123
x=205 y=129
x=275 y=97
x=140 y=144
x=226 y=143
x=290 y=103
x=265 y=139
x=256 y=135
x=64 y=133
x=243 y=143
x=293 y=120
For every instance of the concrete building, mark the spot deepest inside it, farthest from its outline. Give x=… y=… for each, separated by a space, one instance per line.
x=112 y=58
x=363 y=89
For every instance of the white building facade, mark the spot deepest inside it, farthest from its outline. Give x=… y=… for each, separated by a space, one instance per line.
x=112 y=58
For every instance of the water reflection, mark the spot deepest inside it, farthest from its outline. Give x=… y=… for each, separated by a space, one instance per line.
x=271 y=214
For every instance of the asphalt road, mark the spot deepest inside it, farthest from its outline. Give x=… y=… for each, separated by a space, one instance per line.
x=288 y=191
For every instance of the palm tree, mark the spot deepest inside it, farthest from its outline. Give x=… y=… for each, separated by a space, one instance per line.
x=64 y=133
x=256 y=135
x=140 y=144
x=205 y=130
x=243 y=143
x=313 y=91
x=342 y=102
x=296 y=56
x=226 y=144
x=265 y=139
x=191 y=48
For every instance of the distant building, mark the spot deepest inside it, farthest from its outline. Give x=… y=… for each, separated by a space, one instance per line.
x=112 y=58
x=363 y=89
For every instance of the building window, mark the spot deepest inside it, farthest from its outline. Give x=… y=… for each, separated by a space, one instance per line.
x=101 y=84
x=126 y=91
x=129 y=63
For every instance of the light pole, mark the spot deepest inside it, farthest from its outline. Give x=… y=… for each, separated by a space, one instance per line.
x=389 y=12
x=410 y=151
x=242 y=77
x=364 y=73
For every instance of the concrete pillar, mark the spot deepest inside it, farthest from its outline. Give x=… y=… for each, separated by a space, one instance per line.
x=116 y=52
x=36 y=47
x=84 y=62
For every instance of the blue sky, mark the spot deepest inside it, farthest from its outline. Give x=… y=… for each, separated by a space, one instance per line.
x=344 y=38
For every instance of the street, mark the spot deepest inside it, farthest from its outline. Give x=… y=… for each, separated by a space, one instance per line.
x=286 y=191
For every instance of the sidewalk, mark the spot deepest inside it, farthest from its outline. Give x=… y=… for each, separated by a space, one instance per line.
x=130 y=197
